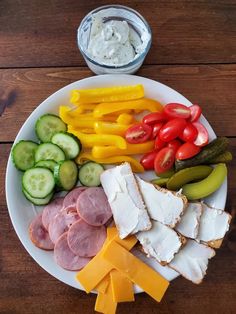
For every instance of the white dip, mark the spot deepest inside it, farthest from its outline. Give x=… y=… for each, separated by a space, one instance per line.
x=114 y=42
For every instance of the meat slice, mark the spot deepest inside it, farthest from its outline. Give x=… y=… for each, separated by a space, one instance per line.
x=192 y=261
x=190 y=221
x=161 y=242
x=72 y=197
x=39 y=235
x=61 y=222
x=85 y=240
x=214 y=224
x=50 y=211
x=93 y=206
x=65 y=258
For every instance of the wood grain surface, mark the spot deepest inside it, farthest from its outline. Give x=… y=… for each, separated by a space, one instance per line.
x=193 y=51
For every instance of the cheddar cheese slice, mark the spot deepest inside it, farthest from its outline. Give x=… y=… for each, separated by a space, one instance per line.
x=104 y=302
x=137 y=271
x=103 y=284
x=90 y=276
x=122 y=287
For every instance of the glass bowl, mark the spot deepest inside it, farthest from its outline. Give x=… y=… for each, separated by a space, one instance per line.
x=117 y=13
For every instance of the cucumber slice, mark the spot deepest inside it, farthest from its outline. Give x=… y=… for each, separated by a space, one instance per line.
x=47 y=125
x=68 y=143
x=66 y=174
x=49 y=164
x=89 y=174
x=50 y=151
x=38 y=201
x=23 y=154
x=38 y=182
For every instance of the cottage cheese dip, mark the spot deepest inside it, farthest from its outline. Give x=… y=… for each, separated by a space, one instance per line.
x=115 y=42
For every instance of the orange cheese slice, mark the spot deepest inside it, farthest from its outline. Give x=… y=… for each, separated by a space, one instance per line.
x=138 y=272
x=122 y=287
x=104 y=302
x=103 y=284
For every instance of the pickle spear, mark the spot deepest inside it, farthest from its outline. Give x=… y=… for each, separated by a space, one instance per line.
x=207 y=186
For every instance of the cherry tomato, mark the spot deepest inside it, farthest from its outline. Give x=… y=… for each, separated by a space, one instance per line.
x=187 y=150
x=174 y=144
x=189 y=133
x=175 y=110
x=159 y=143
x=138 y=133
x=195 y=113
x=172 y=129
x=154 y=117
x=156 y=128
x=202 y=137
x=147 y=161
x=164 y=160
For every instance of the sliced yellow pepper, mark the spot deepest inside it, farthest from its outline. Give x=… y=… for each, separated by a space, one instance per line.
x=139 y=104
x=108 y=94
x=101 y=127
x=90 y=140
x=125 y=118
x=132 y=149
x=135 y=165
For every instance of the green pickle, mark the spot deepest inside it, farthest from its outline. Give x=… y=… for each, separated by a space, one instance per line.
x=161 y=181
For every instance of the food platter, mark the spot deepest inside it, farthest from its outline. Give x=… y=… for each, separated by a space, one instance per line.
x=22 y=212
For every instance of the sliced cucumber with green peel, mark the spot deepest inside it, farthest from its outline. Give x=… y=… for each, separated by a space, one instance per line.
x=38 y=201
x=66 y=174
x=47 y=125
x=89 y=174
x=68 y=143
x=38 y=182
x=49 y=164
x=49 y=151
x=23 y=154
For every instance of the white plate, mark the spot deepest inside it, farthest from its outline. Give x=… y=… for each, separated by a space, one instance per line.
x=22 y=212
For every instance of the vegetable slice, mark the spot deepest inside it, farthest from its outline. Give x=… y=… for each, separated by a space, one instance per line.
x=23 y=154
x=68 y=143
x=47 y=125
x=66 y=174
x=50 y=151
x=89 y=174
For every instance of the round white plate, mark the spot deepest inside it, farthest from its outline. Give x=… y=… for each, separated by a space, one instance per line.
x=22 y=211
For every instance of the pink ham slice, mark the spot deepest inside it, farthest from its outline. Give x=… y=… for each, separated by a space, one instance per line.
x=39 y=235
x=61 y=222
x=50 y=211
x=65 y=258
x=71 y=197
x=93 y=207
x=85 y=240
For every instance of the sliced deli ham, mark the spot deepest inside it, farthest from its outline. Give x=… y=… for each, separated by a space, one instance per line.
x=61 y=222
x=39 y=235
x=51 y=210
x=85 y=240
x=72 y=197
x=65 y=258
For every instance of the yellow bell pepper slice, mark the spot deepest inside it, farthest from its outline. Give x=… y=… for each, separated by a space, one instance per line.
x=108 y=94
x=135 y=165
x=125 y=118
x=139 y=104
x=90 y=140
x=101 y=127
x=132 y=149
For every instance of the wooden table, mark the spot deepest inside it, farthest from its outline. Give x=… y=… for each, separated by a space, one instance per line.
x=193 y=51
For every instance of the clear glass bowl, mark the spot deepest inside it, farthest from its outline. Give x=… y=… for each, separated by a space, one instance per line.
x=121 y=13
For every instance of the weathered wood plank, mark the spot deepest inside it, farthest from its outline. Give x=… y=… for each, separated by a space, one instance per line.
x=24 y=284
x=213 y=87
x=44 y=34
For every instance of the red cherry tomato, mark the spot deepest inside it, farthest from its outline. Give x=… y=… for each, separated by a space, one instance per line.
x=156 y=128
x=172 y=129
x=154 y=117
x=175 y=144
x=164 y=160
x=147 y=161
x=175 y=110
x=202 y=137
x=159 y=143
x=189 y=133
x=195 y=113
x=187 y=150
x=138 y=133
